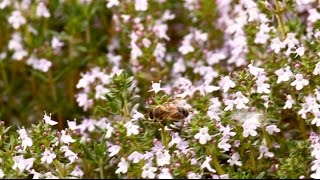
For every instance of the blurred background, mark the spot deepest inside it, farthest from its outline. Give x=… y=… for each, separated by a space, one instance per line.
x=74 y=36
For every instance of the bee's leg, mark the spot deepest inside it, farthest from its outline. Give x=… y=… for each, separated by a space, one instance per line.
x=150 y=113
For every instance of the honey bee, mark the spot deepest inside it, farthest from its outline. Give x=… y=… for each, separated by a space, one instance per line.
x=168 y=112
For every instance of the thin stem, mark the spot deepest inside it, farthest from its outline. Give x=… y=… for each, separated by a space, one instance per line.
x=6 y=86
x=279 y=14
x=217 y=166
x=54 y=95
x=302 y=127
x=126 y=112
x=52 y=87
x=252 y=160
x=266 y=137
x=60 y=120
x=72 y=73
x=5 y=78
x=215 y=161
x=163 y=137
x=101 y=168
x=88 y=36
x=61 y=171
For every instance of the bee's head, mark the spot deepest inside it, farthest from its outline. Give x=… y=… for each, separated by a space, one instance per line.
x=184 y=111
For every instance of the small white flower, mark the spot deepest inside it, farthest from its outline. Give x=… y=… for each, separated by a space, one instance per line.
x=156 y=87
x=277 y=45
x=300 y=51
x=132 y=129
x=284 y=74
x=112 y=3
x=224 y=176
x=72 y=125
x=36 y=175
x=316 y=70
x=224 y=145
x=84 y=101
x=42 y=10
x=16 y=19
x=206 y=164
x=159 y=52
x=210 y=88
x=109 y=130
x=251 y=124
x=255 y=71
x=148 y=171
x=65 y=138
x=135 y=157
x=235 y=160
x=77 y=172
x=163 y=158
x=1 y=173
x=146 y=42
x=289 y=102
x=56 y=43
x=137 y=115
x=22 y=164
x=203 y=135
x=26 y=141
x=69 y=154
x=186 y=48
x=141 y=5
x=49 y=175
x=264 y=152
x=165 y=174
x=272 y=129
x=114 y=150
x=5 y=3
x=316 y=120
x=299 y=82
x=240 y=101
x=226 y=83
x=192 y=175
x=315 y=175
x=122 y=166
x=48 y=157
x=47 y=119
x=262 y=87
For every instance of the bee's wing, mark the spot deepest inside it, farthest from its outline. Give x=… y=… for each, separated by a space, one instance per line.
x=174 y=113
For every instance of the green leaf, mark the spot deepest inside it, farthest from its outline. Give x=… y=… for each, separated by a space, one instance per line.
x=87 y=152
x=260 y=176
